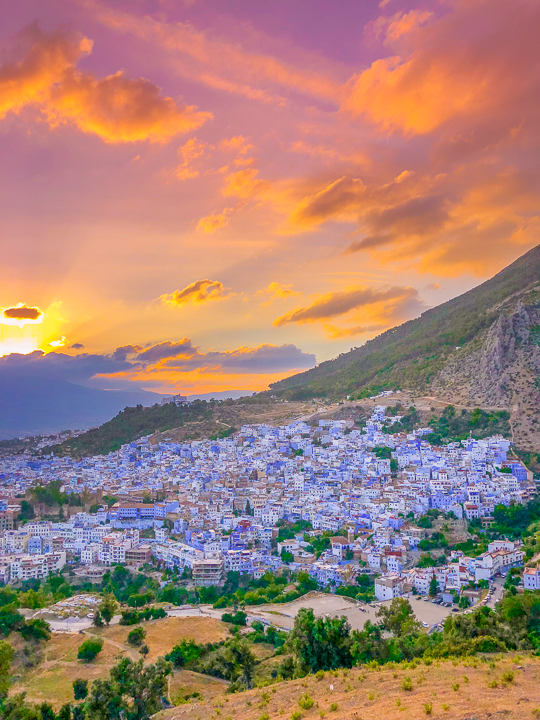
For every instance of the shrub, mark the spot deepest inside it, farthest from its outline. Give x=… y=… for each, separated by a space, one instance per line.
x=306 y=702
x=406 y=684
x=320 y=675
x=296 y=715
x=239 y=618
x=80 y=688
x=90 y=649
x=136 y=636
x=333 y=707
x=428 y=708
x=493 y=684
x=508 y=676
x=455 y=687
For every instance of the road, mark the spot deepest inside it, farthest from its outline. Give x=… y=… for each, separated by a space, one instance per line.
x=283 y=615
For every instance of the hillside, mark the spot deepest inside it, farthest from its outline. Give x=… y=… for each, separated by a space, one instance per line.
x=458 y=690
x=196 y=421
x=481 y=348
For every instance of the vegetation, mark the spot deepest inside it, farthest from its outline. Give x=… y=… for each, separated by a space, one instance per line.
x=130 y=424
x=90 y=649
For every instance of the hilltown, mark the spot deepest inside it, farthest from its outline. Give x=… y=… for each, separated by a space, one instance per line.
x=215 y=506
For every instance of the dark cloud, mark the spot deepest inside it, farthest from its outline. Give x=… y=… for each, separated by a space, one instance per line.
x=22 y=312
x=166 y=350
x=59 y=366
x=262 y=359
x=121 y=353
x=76 y=346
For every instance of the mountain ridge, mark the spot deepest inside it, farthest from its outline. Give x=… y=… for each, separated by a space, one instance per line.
x=480 y=348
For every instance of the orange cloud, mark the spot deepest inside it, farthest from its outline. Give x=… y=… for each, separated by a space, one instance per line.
x=211 y=223
x=441 y=76
x=115 y=108
x=190 y=153
x=339 y=199
x=278 y=291
x=198 y=292
x=220 y=64
x=334 y=304
x=244 y=184
x=392 y=28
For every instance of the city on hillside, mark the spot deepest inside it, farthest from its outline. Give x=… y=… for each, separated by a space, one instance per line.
x=362 y=511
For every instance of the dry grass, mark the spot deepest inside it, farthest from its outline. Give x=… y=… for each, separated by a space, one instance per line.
x=380 y=695
x=52 y=680
x=162 y=635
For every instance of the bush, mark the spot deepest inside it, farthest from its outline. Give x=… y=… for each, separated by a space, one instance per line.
x=508 y=676
x=333 y=707
x=320 y=675
x=136 y=636
x=428 y=708
x=406 y=684
x=80 y=688
x=305 y=701
x=296 y=715
x=90 y=649
x=239 y=618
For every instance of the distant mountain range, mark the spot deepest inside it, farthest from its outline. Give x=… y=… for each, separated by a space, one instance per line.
x=33 y=406
x=36 y=406
x=481 y=348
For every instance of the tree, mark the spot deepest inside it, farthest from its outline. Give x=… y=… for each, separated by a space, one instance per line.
x=321 y=643
x=36 y=629
x=80 y=688
x=89 y=650
x=27 y=511
x=97 y=620
x=108 y=607
x=136 y=636
x=464 y=602
x=132 y=691
x=144 y=650
x=398 y=617
x=6 y=657
x=433 y=586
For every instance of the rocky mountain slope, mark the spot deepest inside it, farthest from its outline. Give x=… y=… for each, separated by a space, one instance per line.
x=479 y=349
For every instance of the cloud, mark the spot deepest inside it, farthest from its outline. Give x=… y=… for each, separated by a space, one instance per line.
x=22 y=314
x=338 y=333
x=228 y=66
x=159 y=364
x=244 y=184
x=192 y=151
x=42 y=72
x=390 y=29
x=211 y=223
x=197 y=292
x=339 y=199
x=384 y=302
x=476 y=61
x=265 y=359
x=278 y=291
x=165 y=350
x=76 y=346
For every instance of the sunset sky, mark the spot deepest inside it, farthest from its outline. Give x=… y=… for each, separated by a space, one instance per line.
x=198 y=195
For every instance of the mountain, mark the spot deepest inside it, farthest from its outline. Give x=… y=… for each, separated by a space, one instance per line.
x=481 y=348
x=32 y=406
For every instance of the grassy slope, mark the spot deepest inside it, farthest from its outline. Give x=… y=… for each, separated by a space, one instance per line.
x=413 y=352
x=374 y=694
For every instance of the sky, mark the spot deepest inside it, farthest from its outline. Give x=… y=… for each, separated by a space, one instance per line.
x=204 y=195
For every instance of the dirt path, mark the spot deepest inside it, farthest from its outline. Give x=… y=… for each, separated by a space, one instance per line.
x=134 y=655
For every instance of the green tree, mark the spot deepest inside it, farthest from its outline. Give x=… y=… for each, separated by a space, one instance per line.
x=108 y=607
x=132 y=691
x=6 y=658
x=37 y=629
x=321 y=643
x=80 y=688
x=398 y=617
x=433 y=586
x=97 y=620
x=89 y=650
x=136 y=636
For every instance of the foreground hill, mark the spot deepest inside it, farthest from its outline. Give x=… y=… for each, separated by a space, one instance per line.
x=452 y=690
x=481 y=348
